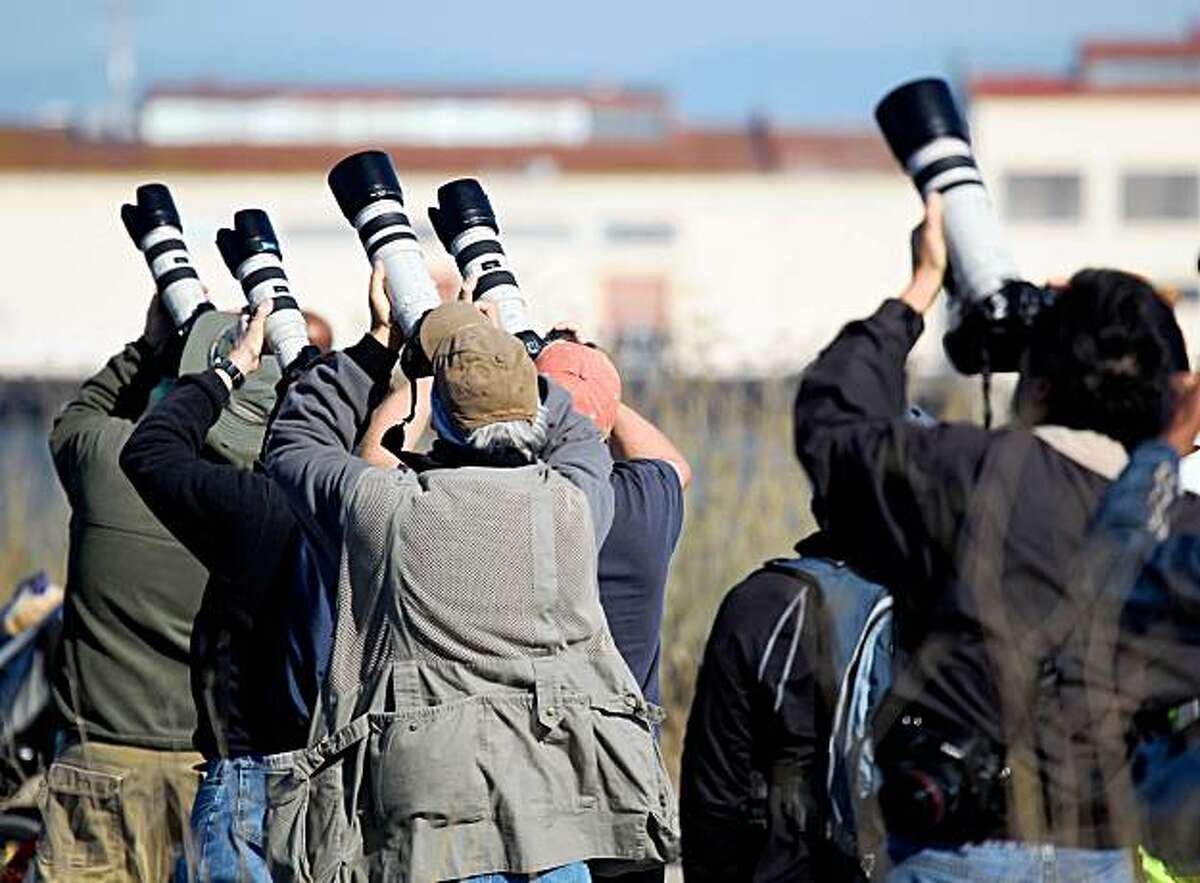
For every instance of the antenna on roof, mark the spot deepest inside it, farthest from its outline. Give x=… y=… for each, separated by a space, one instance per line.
x=120 y=69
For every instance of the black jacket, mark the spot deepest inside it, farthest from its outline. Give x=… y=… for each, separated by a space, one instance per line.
x=238 y=524
x=979 y=534
x=757 y=716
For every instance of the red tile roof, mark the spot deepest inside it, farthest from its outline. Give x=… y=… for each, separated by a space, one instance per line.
x=601 y=96
x=1093 y=53
x=740 y=150
x=1106 y=49
x=1017 y=86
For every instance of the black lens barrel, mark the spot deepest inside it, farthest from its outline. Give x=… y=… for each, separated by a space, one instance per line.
x=362 y=178
x=252 y=234
x=917 y=112
x=463 y=204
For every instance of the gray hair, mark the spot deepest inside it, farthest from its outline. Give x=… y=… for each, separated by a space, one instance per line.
x=511 y=437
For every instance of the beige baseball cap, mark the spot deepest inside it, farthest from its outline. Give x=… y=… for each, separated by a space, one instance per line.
x=482 y=375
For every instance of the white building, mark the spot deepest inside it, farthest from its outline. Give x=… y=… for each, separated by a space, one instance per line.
x=731 y=253
x=1101 y=168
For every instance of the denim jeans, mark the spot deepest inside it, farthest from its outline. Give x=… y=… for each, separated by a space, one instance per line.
x=573 y=873
x=227 y=822
x=1011 y=862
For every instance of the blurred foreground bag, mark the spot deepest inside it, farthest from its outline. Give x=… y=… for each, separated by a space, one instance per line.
x=855 y=619
x=478 y=715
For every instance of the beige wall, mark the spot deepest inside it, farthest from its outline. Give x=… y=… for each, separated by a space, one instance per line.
x=1099 y=137
x=762 y=271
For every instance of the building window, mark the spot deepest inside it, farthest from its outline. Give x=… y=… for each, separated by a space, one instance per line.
x=635 y=320
x=640 y=232
x=1043 y=197
x=1160 y=197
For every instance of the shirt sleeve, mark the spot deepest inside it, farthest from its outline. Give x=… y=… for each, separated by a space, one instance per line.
x=890 y=492
x=234 y=521
x=576 y=449
x=319 y=423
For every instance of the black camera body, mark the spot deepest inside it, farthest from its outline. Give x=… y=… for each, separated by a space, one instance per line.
x=940 y=784
x=992 y=334
x=992 y=308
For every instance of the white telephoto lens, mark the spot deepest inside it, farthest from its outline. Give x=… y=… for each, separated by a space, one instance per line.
x=170 y=264
x=978 y=249
x=510 y=301
x=286 y=328
x=410 y=287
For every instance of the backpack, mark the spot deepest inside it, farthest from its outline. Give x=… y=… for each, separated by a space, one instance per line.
x=857 y=642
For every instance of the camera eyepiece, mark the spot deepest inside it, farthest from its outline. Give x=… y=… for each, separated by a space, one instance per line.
x=251 y=252
x=154 y=226
x=361 y=178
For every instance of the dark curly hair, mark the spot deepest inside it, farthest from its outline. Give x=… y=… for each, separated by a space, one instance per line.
x=1108 y=347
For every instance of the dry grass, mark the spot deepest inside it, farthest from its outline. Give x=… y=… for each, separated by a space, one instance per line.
x=749 y=502
x=33 y=511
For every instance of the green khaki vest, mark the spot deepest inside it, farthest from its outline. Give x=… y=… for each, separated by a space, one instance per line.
x=478 y=717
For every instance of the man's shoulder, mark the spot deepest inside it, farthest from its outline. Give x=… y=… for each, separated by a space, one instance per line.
x=646 y=476
x=767 y=587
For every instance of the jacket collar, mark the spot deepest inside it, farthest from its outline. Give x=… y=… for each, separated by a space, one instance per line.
x=1091 y=450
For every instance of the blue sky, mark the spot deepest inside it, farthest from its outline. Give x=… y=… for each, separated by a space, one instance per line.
x=797 y=61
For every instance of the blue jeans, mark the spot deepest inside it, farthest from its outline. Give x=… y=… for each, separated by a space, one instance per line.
x=573 y=873
x=1009 y=861
x=227 y=822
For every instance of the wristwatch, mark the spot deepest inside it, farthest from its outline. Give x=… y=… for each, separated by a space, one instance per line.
x=232 y=371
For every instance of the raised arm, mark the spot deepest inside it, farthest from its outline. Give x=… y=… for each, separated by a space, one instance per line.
x=636 y=438
x=108 y=401
x=321 y=420
x=891 y=492
x=219 y=512
x=575 y=448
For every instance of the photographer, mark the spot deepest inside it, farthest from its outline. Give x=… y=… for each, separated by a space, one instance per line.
x=260 y=640
x=125 y=761
x=498 y=728
x=1150 y=583
x=649 y=478
x=991 y=761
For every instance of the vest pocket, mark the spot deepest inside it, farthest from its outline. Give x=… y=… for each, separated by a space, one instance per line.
x=308 y=833
x=627 y=756
x=543 y=759
x=83 y=818
x=424 y=764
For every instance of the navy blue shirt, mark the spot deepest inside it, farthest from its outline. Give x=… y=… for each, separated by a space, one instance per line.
x=648 y=516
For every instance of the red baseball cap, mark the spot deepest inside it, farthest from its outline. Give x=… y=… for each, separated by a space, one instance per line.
x=588 y=375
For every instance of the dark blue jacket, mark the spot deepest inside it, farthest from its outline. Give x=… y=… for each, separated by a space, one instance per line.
x=1153 y=579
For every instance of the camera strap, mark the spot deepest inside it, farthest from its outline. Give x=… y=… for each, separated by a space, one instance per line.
x=985 y=378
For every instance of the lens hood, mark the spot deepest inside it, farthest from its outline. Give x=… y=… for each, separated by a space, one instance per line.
x=252 y=234
x=362 y=178
x=462 y=204
x=154 y=208
x=912 y=115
